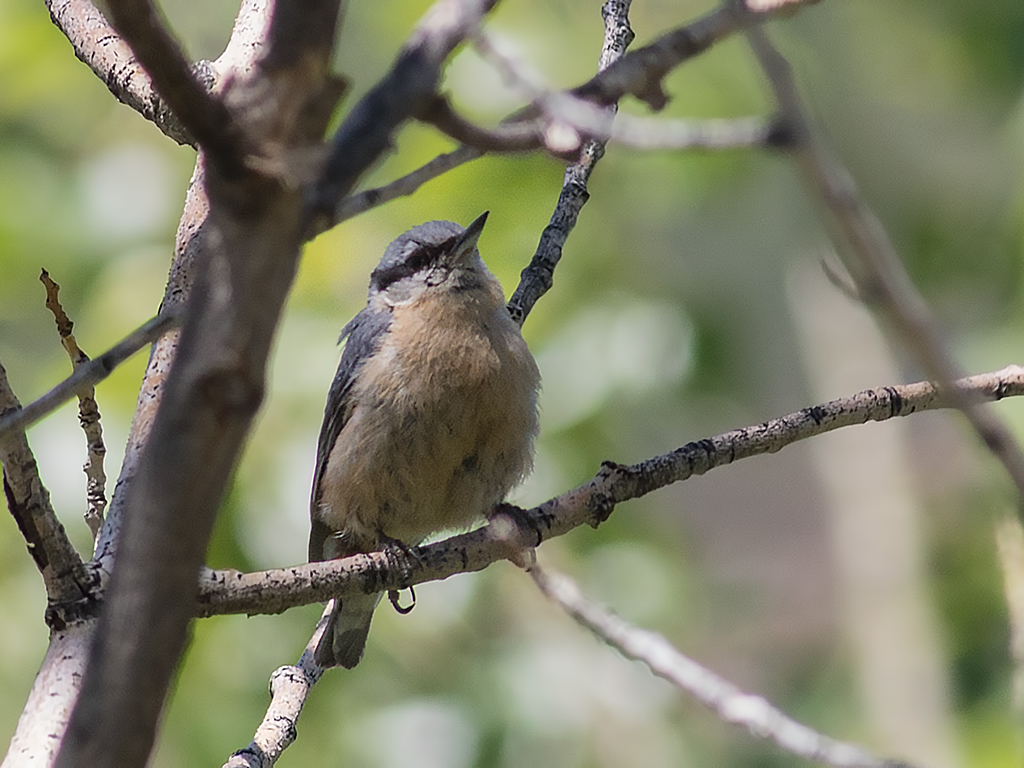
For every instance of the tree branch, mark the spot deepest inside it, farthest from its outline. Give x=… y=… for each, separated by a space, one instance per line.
x=87 y=374
x=882 y=281
x=249 y=247
x=538 y=277
x=565 y=121
x=360 y=202
x=101 y=49
x=508 y=136
x=48 y=706
x=203 y=116
x=405 y=91
x=640 y=72
x=289 y=687
x=246 y=250
x=754 y=713
x=88 y=412
x=505 y=536
x=514 y=135
x=64 y=660
x=28 y=501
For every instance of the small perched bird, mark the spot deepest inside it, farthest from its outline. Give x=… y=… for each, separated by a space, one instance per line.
x=431 y=417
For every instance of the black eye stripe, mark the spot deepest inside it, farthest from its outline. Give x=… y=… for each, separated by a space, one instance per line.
x=418 y=259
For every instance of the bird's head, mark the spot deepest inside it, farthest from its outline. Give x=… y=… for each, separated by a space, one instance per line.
x=436 y=256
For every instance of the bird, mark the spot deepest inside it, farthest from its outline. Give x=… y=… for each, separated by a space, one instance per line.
x=431 y=417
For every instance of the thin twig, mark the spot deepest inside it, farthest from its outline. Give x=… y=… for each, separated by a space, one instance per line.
x=88 y=374
x=882 y=281
x=289 y=687
x=565 y=121
x=88 y=413
x=737 y=707
x=538 y=277
x=274 y=591
x=640 y=72
x=360 y=202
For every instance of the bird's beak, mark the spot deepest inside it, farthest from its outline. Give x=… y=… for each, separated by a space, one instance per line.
x=467 y=243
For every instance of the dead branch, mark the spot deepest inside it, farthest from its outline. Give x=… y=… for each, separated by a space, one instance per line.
x=882 y=281
x=737 y=707
x=88 y=413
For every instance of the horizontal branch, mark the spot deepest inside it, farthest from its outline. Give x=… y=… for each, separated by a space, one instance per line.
x=733 y=705
x=506 y=535
x=567 y=123
x=561 y=122
x=88 y=374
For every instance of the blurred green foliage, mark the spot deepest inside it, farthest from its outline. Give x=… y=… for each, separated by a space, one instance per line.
x=668 y=322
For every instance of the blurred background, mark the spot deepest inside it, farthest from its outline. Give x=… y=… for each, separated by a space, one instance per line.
x=851 y=579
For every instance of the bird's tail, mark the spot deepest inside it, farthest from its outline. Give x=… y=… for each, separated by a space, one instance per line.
x=344 y=638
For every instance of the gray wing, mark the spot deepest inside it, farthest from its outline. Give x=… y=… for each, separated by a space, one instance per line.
x=363 y=336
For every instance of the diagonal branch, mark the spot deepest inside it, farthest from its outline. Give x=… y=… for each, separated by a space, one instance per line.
x=538 y=277
x=223 y=592
x=360 y=202
x=88 y=374
x=367 y=132
x=882 y=281
x=29 y=503
x=101 y=49
x=640 y=72
x=737 y=707
x=509 y=136
x=202 y=115
x=289 y=687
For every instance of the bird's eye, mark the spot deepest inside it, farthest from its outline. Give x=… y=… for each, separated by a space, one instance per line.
x=437 y=275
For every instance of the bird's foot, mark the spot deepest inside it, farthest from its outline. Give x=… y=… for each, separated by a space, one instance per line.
x=404 y=559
